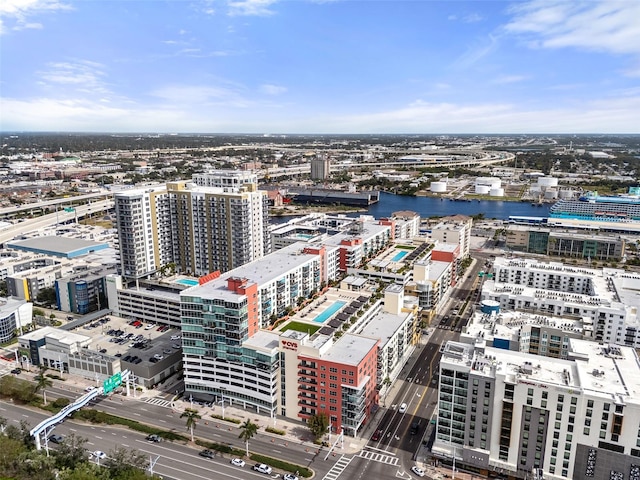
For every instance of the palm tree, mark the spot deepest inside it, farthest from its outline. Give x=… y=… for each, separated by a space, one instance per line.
x=385 y=384
x=192 y=416
x=42 y=382
x=249 y=430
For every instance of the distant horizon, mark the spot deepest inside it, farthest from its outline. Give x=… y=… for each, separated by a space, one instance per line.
x=311 y=134
x=349 y=67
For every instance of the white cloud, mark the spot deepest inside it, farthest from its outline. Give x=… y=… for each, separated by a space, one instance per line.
x=251 y=7
x=208 y=109
x=506 y=79
x=198 y=95
x=272 y=89
x=83 y=75
x=16 y=12
x=477 y=52
x=472 y=18
x=609 y=26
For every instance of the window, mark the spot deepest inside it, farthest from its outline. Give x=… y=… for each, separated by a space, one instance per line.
x=606 y=407
x=590 y=403
x=586 y=431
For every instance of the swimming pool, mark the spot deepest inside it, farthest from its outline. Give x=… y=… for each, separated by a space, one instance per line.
x=333 y=308
x=188 y=282
x=399 y=256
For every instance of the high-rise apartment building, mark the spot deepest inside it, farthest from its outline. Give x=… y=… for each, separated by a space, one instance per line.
x=144 y=231
x=527 y=416
x=218 y=224
x=320 y=168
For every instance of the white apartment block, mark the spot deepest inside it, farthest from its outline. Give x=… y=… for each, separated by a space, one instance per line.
x=526 y=332
x=229 y=180
x=431 y=283
x=510 y=413
x=610 y=298
x=144 y=234
x=200 y=229
x=455 y=229
x=406 y=224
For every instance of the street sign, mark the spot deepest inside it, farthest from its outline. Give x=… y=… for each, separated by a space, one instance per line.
x=69 y=209
x=112 y=382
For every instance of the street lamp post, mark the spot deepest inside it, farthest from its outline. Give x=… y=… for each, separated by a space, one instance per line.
x=221 y=402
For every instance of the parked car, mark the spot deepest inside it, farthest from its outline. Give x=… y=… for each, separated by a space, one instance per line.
x=238 y=462
x=289 y=476
x=56 y=438
x=16 y=371
x=207 y=454
x=262 y=468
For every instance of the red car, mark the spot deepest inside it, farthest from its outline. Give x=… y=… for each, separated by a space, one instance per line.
x=376 y=435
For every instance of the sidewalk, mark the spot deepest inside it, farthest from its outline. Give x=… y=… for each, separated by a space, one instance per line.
x=295 y=432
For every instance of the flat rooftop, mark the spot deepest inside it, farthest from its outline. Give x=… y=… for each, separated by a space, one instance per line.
x=261 y=272
x=601 y=370
x=350 y=349
x=67 y=247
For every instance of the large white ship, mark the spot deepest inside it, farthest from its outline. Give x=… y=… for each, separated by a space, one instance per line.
x=591 y=206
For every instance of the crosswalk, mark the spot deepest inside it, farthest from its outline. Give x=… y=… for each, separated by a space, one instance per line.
x=379 y=457
x=338 y=468
x=161 y=402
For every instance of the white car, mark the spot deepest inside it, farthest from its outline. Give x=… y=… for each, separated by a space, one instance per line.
x=176 y=337
x=99 y=455
x=403 y=408
x=262 y=468
x=149 y=326
x=237 y=462
x=289 y=476
x=418 y=471
x=89 y=389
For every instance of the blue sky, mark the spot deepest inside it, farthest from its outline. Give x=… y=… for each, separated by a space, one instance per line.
x=313 y=66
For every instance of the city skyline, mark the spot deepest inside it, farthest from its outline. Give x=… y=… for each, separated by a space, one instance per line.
x=360 y=67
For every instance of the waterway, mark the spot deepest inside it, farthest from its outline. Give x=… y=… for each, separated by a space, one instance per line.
x=436 y=207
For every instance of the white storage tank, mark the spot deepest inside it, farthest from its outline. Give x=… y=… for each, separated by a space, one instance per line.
x=547 y=182
x=491 y=182
x=497 y=192
x=483 y=189
x=438 y=187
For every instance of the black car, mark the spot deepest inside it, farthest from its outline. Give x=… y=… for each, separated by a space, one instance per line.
x=207 y=454
x=16 y=371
